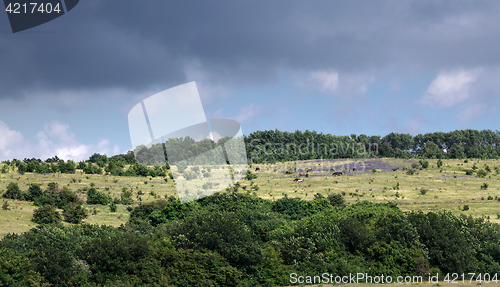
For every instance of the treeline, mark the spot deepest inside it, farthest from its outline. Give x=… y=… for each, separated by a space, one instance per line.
x=96 y=164
x=275 y=146
x=234 y=239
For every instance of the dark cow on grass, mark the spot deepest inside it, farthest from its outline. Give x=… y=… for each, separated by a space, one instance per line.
x=298 y=180
x=337 y=173
x=309 y=170
x=302 y=174
x=257 y=169
x=288 y=172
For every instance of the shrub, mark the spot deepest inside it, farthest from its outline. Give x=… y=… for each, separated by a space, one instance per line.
x=112 y=207
x=423 y=191
x=75 y=213
x=96 y=197
x=466 y=207
x=336 y=199
x=126 y=198
x=481 y=173
x=484 y=186
x=410 y=172
x=424 y=163
x=5 y=205
x=250 y=175
x=188 y=175
x=439 y=163
x=13 y=192
x=46 y=214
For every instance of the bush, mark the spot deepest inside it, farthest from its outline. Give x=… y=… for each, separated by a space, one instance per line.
x=112 y=207
x=188 y=175
x=75 y=213
x=126 y=198
x=439 y=163
x=484 y=186
x=5 y=205
x=97 y=197
x=46 y=214
x=466 y=207
x=13 y=192
x=423 y=191
x=336 y=199
x=481 y=173
x=250 y=175
x=424 y=163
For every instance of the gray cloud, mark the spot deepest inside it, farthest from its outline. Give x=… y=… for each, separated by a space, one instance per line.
x=136 y=45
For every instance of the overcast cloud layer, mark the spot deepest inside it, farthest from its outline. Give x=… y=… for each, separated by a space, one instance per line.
x=403 y=65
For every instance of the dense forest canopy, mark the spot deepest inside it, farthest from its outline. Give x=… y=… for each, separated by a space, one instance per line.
x=273 y=146
x=239 y=239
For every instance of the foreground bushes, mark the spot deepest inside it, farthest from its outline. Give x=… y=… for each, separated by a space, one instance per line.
x=231 y=239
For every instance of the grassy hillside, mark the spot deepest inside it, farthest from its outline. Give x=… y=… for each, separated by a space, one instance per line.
x=445 y=188
x=18 y=218
x=377 y=180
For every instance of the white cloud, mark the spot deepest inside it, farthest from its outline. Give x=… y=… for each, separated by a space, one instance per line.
x=331 y=82
x=55 y=139
x=326 y=80
x=9 y=140
x=449 y=89
x=247 y=113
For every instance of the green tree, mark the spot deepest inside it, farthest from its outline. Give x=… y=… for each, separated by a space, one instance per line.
x=34 y=191
x=75 y=213
x=13 y=191
x=96 y=197
x=16 y=270
x=46 y=215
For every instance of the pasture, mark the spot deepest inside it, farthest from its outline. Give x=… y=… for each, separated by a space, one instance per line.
x=377 y=180
x=388 y=180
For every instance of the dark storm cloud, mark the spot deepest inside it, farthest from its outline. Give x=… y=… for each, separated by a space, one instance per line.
x=138 y=44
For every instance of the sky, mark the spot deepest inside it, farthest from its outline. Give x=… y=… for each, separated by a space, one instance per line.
x=338 y=67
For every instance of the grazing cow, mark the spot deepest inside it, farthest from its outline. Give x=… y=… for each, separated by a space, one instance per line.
x=337 y=173
x=354 y=169
x=257 y=169
x=288 y=172
x=309 y=169
x=302 y=174
x=298 y=180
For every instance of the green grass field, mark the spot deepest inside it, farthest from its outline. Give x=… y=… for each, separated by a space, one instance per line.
x=446 y=188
